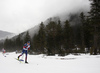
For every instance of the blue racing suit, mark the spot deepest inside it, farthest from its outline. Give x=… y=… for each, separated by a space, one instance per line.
x=26 y=47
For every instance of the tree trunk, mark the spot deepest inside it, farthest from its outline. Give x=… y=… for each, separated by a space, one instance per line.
x=95 y=40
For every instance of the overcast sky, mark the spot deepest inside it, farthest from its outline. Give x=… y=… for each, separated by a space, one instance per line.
x=17 y=16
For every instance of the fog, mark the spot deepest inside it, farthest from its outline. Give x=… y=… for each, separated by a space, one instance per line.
x=17 y=16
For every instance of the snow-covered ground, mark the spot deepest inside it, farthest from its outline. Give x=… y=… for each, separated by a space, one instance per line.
x=50 y=64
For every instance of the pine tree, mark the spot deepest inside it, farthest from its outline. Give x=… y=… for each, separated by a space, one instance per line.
x=27 y=37
x=59 y=38
x=82 y=16
x=9 y=44
x=1 y=45
x=68 y=37
x=6 y=43
x=18 y=42
x=88 y=36
x=95 y=21
x=35 y=43
x=51 y=33
x=42 y=37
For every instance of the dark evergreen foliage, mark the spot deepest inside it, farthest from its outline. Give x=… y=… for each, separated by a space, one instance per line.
x=94 y=16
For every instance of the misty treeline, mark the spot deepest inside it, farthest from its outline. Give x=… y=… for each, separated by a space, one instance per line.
x=15 y=43
x=74 y=35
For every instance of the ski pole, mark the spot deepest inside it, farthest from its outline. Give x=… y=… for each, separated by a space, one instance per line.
x=22 y=56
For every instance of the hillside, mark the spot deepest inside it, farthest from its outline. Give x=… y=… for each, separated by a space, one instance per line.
x=4 y=34
x=72 y=17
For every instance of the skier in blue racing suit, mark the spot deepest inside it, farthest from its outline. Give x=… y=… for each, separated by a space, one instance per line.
x=26 y=47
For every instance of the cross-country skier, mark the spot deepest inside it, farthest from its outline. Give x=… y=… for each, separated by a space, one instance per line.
x=26 y=47
x=3 y=51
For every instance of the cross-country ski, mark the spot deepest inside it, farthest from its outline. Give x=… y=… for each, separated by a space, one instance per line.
x=19 y=59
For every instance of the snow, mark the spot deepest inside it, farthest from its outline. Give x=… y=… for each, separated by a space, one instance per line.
x=50 y=64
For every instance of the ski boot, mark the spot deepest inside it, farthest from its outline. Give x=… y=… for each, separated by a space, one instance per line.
x=26 y=62
x=18 y=57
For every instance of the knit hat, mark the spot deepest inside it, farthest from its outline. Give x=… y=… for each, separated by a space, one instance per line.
x=28 y=42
